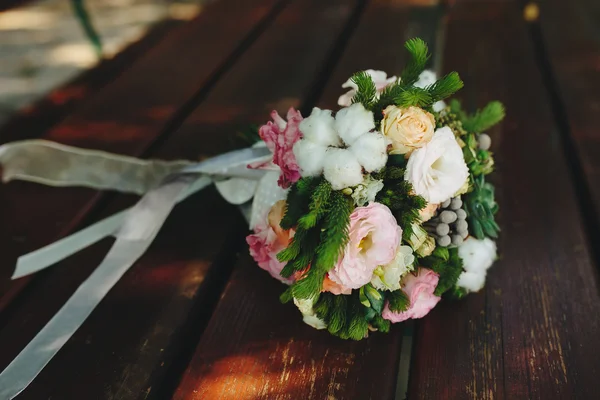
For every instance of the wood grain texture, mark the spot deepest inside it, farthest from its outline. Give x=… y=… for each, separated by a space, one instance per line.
x=567 y=33
x=158 y=309
x=126 y=117
x=256 y=348
x=36 y=119
x=532 y=332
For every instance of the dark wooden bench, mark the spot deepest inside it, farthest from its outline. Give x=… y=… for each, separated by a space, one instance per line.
x=195 y=318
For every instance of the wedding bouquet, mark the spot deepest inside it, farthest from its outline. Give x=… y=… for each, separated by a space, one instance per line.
x=383 y=207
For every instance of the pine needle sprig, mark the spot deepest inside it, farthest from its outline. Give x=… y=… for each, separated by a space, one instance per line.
x=382 y=325
x=317 y=207
x=419 y=55
x=366 y=91
x=305 y=255
x=335 y=231
x=445 y=87
x=485 y=118
x=343 y=314
x=309 y=285
x=397 y=195
x=398 y=301
x=413 y=96
x=448 y=270
x=298 y=200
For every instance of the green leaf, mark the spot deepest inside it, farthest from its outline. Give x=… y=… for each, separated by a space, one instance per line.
x=363 y=297
x=442 y=253
x=376 y=299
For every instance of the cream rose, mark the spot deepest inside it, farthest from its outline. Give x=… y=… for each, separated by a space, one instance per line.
x=407 y=128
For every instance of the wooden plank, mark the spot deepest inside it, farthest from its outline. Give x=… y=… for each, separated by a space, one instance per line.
x=566 y=36
x=128 y=116
x=36 y=119
x=532 y=332
x=138 y=340
x=254 y=347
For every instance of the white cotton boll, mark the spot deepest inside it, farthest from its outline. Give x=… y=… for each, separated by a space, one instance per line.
x=477 y=255
x=471 y=281
x=427 y=77
x=342 y=169
x=371 y=151
x=439 y=106
x=319 y=128
x=310 y=157
x=351 y=122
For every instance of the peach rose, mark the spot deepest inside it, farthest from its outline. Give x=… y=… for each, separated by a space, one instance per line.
x=407 y=128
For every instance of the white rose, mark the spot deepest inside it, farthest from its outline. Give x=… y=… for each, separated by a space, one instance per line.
x=308 y=314
x=388 y=276
x=478 y=256
x=438 y=169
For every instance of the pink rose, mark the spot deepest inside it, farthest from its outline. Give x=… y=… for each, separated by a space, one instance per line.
x=268 y=240
x=374 y=239
x=419 y=290
x=280 y=137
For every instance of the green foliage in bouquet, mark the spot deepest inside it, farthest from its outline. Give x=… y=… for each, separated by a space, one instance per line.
x=397 y=194
x=447 y=263
x=481 y=208
x=399 y=301
x=321 y=216
x=403 y=93
x=480 y=204
x=345 y=316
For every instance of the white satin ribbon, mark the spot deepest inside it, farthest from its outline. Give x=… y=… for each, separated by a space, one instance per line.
x=134 y=228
